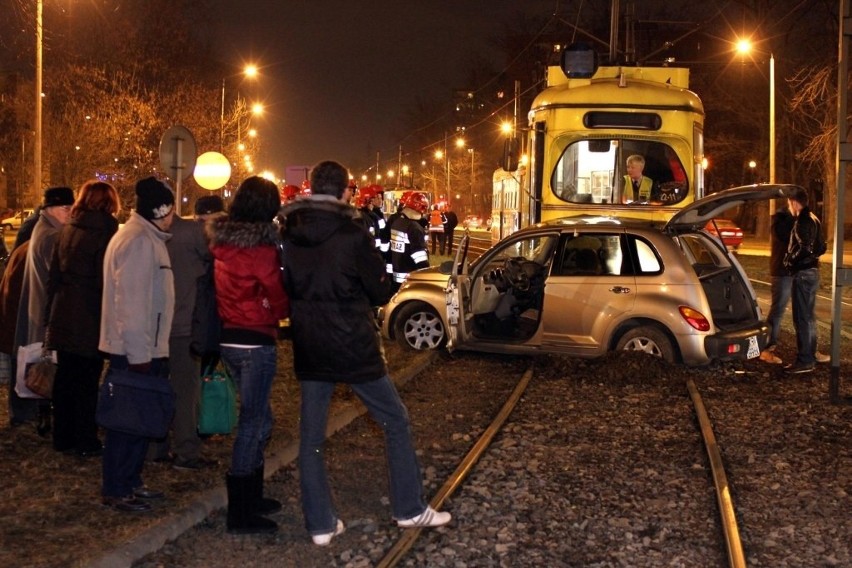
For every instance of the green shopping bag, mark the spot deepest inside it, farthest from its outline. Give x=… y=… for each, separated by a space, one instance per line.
x=218 y=407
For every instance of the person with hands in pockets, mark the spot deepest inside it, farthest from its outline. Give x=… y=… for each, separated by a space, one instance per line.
x=334 y=277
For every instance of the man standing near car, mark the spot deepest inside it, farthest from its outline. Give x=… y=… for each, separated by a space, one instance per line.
x=335 y=341
x=782 y=283
x=802 y=260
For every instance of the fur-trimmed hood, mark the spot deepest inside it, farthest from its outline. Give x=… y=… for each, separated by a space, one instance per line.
x=222 y=231
x=313 y=220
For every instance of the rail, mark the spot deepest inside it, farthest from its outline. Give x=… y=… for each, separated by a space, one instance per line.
x=410 y=536
x=733 y=544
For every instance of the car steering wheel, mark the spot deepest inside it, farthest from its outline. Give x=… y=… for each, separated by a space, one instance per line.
x=515 y=274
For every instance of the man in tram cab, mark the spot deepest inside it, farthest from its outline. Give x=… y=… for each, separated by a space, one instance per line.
x=637 y=188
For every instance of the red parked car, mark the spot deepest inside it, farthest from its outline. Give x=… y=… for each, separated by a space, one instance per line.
x=731 y=235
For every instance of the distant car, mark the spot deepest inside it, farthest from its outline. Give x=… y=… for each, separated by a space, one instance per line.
x=584 y=286
x=731 y=235
x=472 y=222
x=14 y=222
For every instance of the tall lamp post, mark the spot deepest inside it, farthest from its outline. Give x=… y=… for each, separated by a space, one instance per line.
x=249 y=71
x=38 y=87
x=744 y=47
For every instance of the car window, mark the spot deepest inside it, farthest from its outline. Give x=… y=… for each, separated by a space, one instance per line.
x=537 y=249
x=702 y=253
x=597 y=254
x=644 y=258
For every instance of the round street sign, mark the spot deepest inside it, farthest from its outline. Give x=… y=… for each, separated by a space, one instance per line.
x=178 y=153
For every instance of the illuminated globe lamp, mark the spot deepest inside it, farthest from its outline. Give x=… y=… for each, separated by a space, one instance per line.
x=212 y=170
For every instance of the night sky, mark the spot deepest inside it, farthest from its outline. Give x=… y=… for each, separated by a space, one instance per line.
x=338 y=76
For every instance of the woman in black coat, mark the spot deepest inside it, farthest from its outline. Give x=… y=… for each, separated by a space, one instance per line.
x=74 y=293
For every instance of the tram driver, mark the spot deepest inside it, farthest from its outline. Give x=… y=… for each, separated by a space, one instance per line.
x=637 y=188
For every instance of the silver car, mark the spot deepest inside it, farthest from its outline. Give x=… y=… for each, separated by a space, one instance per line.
x=583 y=286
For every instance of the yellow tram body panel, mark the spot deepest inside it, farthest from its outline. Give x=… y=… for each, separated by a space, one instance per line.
x=582 y=132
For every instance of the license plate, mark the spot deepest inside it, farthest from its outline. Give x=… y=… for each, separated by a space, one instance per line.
x=753 y=349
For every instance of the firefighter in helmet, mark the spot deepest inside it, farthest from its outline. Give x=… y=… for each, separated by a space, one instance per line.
x=289 y=193
x=408 y=238
x=369 y=202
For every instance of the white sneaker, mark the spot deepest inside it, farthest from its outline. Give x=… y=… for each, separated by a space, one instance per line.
x=822 y=357
x=428 y=518
x=324 y=539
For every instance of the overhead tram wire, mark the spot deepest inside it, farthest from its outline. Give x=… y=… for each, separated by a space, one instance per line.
x=554 y=18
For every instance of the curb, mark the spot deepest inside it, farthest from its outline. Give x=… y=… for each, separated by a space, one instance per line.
x=171 y=527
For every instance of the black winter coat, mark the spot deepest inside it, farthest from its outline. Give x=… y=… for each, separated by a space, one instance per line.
x=334 y=275
x=800 y=252
x=75 y=283
x=779 y=240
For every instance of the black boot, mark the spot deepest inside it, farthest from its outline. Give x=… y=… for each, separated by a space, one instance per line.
x=262 y=505
x=44 y=427
x=241 y=518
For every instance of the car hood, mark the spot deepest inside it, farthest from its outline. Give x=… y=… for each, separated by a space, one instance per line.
x=431 y=274
x=698 y=213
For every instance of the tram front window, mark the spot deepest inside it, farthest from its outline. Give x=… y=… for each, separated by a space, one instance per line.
x=621 y=171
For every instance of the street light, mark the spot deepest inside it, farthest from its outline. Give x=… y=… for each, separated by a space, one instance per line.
x=744 y=47
x=250 y=72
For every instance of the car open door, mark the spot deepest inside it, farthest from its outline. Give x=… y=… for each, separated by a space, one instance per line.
x=458 y=288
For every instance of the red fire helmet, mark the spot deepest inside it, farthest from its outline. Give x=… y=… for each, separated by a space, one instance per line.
x=415 y=200
x=289 y=193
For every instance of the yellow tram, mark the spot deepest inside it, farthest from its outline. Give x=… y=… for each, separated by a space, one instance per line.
x=586 y=124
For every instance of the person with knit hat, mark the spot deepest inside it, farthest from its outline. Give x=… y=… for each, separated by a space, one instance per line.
x=136 y=320
x=192 y=273
x=32 y=314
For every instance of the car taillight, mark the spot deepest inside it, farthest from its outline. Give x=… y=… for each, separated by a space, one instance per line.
x=694 y=318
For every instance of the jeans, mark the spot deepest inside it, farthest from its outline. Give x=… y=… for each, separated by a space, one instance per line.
x=252 y=370
x=124 y=454
x=782 y=287
x=386 y=408
x=805 y=285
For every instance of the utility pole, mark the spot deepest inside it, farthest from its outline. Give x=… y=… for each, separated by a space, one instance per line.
x=38 y=87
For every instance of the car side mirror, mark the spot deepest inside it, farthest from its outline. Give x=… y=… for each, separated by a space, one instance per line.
x=511 y=154
x=446 y=267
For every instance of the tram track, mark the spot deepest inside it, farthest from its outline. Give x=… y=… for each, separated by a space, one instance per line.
x=730 y=533
x=598 y=463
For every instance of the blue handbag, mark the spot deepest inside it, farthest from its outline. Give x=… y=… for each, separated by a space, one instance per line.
x=134 y=403
x=217 y=413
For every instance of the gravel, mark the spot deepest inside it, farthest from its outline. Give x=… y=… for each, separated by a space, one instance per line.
x=600 y=465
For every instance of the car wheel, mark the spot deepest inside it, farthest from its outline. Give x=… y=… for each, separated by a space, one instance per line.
x=418 y=326
x=647 y=339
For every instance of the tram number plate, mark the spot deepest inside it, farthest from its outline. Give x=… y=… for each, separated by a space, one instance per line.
x=753 y=349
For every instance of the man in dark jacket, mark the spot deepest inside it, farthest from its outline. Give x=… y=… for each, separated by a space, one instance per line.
x=782 y=283
x=802 y=260
x=452 y=221
x=334 y=275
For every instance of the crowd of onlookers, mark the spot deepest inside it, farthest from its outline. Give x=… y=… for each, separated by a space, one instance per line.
x=165 y=296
